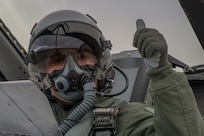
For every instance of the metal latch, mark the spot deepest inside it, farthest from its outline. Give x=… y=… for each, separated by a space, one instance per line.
x=105 y=119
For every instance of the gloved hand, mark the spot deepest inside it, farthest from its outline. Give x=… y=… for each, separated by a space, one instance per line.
x=152 y=47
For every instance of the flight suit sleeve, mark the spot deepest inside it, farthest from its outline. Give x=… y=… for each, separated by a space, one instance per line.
x=176 y=111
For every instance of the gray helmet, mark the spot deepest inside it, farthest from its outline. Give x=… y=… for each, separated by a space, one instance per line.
x=64 y=29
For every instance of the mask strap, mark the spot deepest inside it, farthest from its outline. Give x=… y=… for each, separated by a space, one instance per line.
x=53 y=93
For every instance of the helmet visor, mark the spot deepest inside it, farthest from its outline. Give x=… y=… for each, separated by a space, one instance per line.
x=52 y=49
x=48 y=45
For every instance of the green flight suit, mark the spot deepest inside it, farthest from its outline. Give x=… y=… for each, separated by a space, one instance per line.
x=176 y=112
x=175 y=109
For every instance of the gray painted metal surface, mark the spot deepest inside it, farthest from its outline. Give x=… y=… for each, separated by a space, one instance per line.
x=25 y=110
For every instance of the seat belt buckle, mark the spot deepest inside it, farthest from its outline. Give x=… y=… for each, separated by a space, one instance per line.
x=105 y=119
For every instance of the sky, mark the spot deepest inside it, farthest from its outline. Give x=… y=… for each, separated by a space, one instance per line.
x=116 y=19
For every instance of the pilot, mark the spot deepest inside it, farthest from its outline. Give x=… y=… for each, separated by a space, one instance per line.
x=70 y=61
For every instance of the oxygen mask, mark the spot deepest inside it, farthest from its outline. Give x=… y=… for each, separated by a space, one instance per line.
x=68 y=82
x=69 y=77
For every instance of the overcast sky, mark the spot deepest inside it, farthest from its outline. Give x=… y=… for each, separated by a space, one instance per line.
x=116 y=18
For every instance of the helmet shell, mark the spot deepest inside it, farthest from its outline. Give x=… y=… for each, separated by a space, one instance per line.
x=77 y=25
x=74 y=24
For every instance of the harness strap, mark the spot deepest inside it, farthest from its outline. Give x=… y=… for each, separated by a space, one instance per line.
x=118 y=103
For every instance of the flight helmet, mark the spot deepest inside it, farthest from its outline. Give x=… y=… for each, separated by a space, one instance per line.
x=61 y=30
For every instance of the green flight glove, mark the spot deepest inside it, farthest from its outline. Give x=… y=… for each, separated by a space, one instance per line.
x=152 y=47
